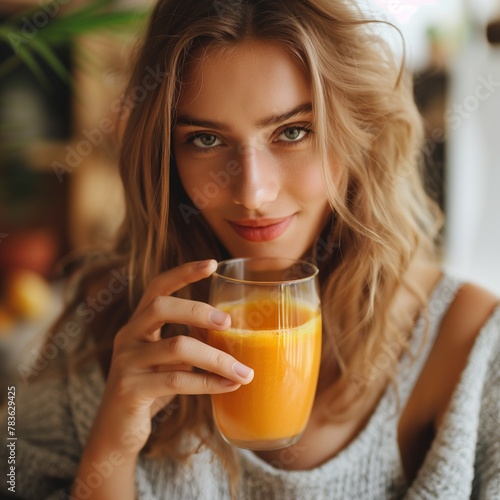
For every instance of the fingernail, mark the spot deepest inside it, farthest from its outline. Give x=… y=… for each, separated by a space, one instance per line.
x=242 y=370
x=229 y=383
x=218 y=317
x=204 y=263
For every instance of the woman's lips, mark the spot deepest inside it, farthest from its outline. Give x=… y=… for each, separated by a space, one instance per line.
x=259 y=230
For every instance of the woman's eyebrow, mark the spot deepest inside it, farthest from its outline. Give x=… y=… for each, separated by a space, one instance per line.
x=190 y=121
x=301 y=109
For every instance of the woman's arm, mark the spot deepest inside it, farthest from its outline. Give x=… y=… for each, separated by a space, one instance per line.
x=104 y=474
x=146 y=373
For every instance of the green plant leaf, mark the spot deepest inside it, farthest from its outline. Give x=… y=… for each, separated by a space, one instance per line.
x=50 y=57
x=97 y=15
x=69 y=27
x=27 y=58
x=22 y=53
x=94 y=16
x=11 y=36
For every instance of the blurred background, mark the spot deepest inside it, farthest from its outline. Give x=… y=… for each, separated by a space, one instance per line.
x=63 y=66
x=453 y=49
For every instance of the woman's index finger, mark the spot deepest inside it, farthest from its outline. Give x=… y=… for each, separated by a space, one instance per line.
x=173 y=280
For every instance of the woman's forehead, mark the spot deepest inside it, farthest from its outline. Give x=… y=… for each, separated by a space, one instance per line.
x=251 y=74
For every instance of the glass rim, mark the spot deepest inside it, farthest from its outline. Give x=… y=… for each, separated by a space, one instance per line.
x=293 y=281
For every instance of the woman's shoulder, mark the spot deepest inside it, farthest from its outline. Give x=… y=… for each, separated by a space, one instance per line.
x=470 y=311
x=461 y=307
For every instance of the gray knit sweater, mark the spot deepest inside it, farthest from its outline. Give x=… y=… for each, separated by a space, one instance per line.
x=464 y=460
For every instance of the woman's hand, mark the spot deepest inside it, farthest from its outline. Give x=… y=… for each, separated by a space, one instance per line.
x=147 y=372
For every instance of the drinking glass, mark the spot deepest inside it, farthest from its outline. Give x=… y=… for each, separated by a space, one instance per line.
x=275 y=329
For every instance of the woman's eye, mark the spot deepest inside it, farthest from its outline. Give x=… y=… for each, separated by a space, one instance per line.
x=294 y=134
x=205 y=141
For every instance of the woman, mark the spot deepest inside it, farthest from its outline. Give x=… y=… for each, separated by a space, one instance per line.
x=278 y=129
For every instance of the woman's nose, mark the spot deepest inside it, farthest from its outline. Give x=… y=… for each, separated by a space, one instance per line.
x=258 y=181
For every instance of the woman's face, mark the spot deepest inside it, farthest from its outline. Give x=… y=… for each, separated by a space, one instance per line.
x=244 y=150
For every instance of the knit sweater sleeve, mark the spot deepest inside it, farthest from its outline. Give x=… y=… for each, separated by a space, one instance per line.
x=47 y=449
x=487 y=475
x=464 y=459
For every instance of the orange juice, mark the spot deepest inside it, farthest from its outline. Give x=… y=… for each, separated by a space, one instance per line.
x=285 y=356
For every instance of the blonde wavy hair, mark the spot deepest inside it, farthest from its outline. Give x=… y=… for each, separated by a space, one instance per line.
x=365 y=121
